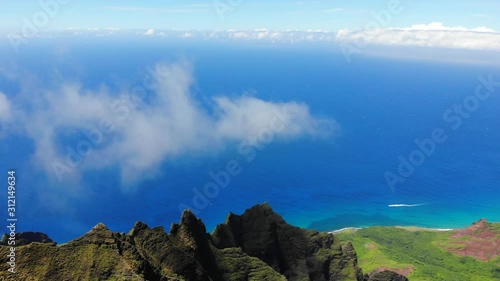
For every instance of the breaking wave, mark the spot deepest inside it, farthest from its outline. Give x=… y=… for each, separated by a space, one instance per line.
x=405 y=205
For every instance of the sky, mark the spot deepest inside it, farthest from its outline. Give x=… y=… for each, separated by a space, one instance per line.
x=246 y=14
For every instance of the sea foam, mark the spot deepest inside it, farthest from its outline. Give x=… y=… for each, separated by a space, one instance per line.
x=405 y=205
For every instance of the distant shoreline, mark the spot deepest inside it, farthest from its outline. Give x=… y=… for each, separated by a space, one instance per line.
x=410 y=228
x=418 y=228
x=344 y=229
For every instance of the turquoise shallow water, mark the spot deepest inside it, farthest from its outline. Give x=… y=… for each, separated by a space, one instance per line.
x=381 y=106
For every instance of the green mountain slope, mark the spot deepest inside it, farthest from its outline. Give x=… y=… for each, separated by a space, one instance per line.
x=467 y=254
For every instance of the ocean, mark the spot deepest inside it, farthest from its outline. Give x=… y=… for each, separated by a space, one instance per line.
x=383 y=106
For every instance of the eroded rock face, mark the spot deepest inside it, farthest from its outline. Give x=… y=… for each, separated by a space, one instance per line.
x=298 y=254
x=182 y=253
x=98 y=235
x=386 y=275
x=143 y=254
x=25 y=238
x=258 y=245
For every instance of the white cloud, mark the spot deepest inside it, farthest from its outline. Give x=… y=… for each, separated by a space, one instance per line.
x=4 y=107
x=246 y=116
x=169 y=124
x=288 y=36
x=438 y=26
x=279 y=36
x=149 y=32
x=426 y=35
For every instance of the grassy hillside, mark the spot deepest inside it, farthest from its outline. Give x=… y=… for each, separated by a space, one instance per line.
x=424 y=254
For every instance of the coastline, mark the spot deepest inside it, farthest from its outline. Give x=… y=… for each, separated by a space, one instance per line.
x=409 y=228
x=418 y=228
x=353 y=229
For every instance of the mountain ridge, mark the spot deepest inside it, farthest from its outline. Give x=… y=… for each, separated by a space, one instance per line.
x=257 y=245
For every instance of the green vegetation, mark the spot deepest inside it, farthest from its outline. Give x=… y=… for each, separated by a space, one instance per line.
x=259 y=245
x=236 y=265
x=69 y=262
x=370 y=253
x=495 y=227
x=398 y=248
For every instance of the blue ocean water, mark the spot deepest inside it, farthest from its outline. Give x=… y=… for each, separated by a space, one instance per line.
x=382 y=106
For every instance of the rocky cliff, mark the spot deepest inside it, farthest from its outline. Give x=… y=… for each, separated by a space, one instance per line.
x=257 y=245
